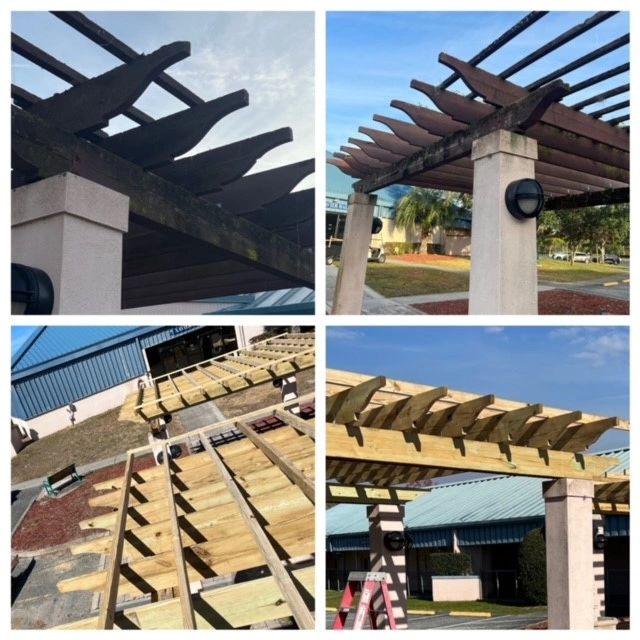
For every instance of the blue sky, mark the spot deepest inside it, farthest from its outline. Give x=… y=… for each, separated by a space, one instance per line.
x=572 y=368
x=271 y=54
x=373 y=56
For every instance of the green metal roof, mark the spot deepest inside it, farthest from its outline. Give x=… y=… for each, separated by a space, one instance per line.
x=495 y=499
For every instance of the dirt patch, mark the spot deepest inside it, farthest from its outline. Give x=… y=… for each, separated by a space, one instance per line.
x=455 y=262
x=263 y=395
x=556 y=302
x=97 y=438
x=54 y=521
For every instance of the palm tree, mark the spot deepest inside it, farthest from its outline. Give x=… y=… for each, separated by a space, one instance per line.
x=428 y=209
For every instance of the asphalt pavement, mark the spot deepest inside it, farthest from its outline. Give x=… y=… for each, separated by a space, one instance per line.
x=444 y=621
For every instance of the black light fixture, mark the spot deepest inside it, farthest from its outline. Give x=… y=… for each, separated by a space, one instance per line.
x=31 y=291
x=524 y=198
x=376 y=225
x=394 y=540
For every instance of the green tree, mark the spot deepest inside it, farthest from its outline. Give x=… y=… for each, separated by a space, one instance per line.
x=532 y=568
x=428 y=209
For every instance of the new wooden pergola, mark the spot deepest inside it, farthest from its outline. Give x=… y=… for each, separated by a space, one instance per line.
x=199 y=227
x=243 y=501
x=583 y=159
x=387 y=435
x=265 y=361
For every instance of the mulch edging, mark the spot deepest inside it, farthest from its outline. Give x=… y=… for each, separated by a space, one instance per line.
x=53 y=522
x=554 y=302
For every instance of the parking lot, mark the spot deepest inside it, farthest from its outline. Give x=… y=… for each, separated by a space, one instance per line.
x=444 y=621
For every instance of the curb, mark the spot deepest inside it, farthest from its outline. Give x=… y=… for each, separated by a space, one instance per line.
x=470 y=614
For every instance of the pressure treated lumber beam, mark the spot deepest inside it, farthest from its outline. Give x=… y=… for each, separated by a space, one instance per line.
x=299 y=609
x=359 y=494
x=294 y=474
x=518 y=116
x=155 y=200
x=231 y=607
x=108 y=602
x=90 y=105
x=184 y=591
x=307 y=427
x=391 y=447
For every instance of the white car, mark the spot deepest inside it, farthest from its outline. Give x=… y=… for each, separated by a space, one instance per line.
x=560 y=255
x=579 y=256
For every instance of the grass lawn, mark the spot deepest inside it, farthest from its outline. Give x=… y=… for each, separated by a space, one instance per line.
x=393 y=280
x=560 y=271
x=418 y=604
x=94 y=439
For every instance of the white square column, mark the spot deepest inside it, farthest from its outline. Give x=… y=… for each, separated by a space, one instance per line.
x=349 y=292
x=72 y=229
x=504 y=277
x=569 y=541
x=384 y=518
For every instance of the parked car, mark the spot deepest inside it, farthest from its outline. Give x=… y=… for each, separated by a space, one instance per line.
x=580 y=256
x=612 y=258
x=560 y=255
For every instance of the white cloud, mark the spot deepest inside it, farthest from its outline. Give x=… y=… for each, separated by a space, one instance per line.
x=603 y=349
x=344 y=334
x=494 y=329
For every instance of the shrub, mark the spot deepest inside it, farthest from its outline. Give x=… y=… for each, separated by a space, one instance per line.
x=449 y=564
x=532 y=566
x=401 y=248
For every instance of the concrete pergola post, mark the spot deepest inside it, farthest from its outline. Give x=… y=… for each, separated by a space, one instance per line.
x=349 y=291
x=569 y=541
x=72 y=229
x=504 y=277
x=384 y=518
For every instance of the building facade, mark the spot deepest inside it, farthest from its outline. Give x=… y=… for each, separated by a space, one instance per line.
x=63 y=375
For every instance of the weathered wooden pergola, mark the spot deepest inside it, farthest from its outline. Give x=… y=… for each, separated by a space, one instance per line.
x=265 y=361
x=196 y=227
x=242 y=503
x=579 y=158
x=385 y=436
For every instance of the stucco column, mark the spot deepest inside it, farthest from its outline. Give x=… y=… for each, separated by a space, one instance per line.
x=72 y=229
x=349 y=291
x=382 y=519
x=569 y=540
x=504 y=277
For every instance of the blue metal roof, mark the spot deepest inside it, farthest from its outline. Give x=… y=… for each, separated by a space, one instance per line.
x=510 y=504
x=59 y=365
x=300 y=300
x=49 y=343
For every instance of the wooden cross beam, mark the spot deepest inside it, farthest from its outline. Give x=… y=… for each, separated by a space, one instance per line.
x=426 y=451
x=52 y=151
x=360 y=494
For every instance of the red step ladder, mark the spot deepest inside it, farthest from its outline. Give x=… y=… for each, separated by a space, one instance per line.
x=370 y=581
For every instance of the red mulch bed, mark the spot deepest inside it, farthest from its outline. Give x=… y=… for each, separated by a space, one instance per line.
x=54 y=521
x=426 y=258
x=555 y=302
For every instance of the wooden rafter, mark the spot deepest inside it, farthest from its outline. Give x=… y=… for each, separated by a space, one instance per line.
x=224 y=510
